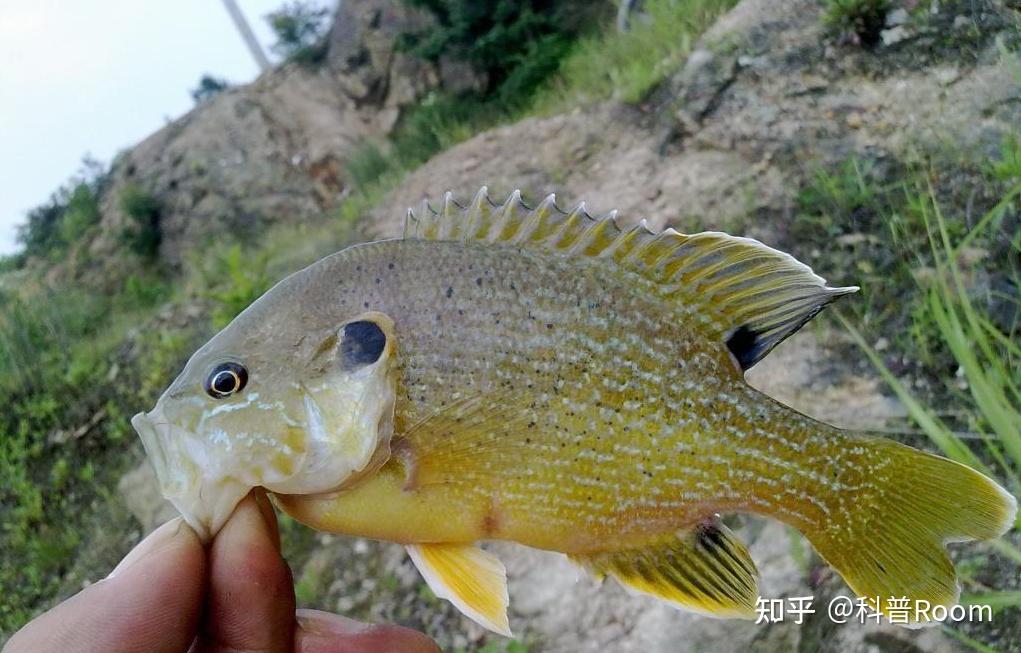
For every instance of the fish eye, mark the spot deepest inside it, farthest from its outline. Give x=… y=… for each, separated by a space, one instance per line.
x=225 y=380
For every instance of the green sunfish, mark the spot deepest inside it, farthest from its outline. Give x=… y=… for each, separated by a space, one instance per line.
x=544 y=377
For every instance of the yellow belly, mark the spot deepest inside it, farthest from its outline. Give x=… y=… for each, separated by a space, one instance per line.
x=381 y=508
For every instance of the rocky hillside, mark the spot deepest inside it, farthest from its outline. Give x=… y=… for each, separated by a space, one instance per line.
x=781 y=122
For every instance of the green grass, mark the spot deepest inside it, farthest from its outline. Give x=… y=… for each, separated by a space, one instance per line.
x=988 y=363
x=143 y=235
x=861 y=19
x=628 y=65
x=66 y=391
x=988 y=360
x=235 y=279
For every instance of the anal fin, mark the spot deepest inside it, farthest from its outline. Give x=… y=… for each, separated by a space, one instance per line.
x=472 y=579
x=705 y=569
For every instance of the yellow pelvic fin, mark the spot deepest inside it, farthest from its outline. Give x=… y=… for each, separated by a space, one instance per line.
x=472 y=579
x=755 y=295
x=889 y=544
x=705 y=569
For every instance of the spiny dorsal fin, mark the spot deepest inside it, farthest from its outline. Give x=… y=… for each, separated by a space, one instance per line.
x=754 y=296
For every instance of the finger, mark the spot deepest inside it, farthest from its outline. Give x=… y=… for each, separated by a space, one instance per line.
x=322 y=632
x=250 y=604
x=151 y=602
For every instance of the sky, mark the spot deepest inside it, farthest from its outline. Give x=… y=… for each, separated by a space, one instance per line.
x=94 y=77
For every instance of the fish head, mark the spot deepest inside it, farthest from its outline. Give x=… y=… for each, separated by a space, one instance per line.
x=275 y=400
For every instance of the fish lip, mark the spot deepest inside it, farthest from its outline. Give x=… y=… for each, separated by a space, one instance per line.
x=204 y=498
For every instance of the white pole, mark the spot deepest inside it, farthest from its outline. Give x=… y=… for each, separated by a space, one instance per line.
x=247 y=35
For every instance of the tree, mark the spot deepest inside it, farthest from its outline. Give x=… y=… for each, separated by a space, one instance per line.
x=300 y=28
x=208 y=87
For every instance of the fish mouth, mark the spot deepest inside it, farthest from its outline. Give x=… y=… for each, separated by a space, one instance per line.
x=204 y=497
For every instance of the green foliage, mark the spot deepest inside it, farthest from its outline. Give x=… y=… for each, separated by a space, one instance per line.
x=368 y=163
x=628 y=65
x=985 y=387
x=11 y=262
x=64 y=401
x=143 y=291
x=859 y=20
x=208 y=87
x=81 y=213
x=514 y=46
x=503 y=646
x=300 y=29
x=1008 y=167
x=143 y=235
x=235 y=279
x=438 y=122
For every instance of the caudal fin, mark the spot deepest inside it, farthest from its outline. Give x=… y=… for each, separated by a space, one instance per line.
x=888 y=538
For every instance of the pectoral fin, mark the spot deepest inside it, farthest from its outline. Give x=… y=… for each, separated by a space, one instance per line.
x=472 y=579
x=704 y=569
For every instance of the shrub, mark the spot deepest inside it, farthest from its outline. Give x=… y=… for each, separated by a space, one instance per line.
x=300 y=29
x=11 y=262
x=1007 y=167
x=70 y=211
x=235 y=279
x=628 y=65
x=208 y=87
x=860 y=20
x=81 y=212
x=514 y=45
x=143 y=235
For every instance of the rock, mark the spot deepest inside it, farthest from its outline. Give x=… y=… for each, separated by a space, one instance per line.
x=894 y=35
x=139 y=490
x=947 y=75
x=898 y=16
x=274 y=151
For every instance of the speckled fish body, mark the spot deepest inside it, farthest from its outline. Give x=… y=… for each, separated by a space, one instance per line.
x=635 y=421
x=546 y=378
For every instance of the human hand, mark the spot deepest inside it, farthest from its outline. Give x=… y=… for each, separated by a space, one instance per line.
x=172 y=595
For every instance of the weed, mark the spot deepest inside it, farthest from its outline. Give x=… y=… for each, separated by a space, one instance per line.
x=628 y=65
x=988 y=362
x=1008 y=167
x=858 y=20
x=236 y=278
x=208 y=88
x=143 y=236
x=514 y=46
x=368 y=163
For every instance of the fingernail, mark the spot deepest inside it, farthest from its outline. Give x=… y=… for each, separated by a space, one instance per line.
x=269 y=515
x=155 y=541
x=249 y=521
x=315 y=622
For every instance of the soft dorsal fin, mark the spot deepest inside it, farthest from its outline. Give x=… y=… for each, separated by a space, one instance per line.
x=752 y=295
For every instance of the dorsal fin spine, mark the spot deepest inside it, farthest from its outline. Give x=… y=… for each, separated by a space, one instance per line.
x=533 y=222
x=480 y=206
x=565 y=236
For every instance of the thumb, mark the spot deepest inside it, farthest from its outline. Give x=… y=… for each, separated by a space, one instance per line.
x=150 y=602
x=322 y=632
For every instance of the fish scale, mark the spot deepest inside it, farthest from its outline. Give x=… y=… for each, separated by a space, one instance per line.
x=466 y=329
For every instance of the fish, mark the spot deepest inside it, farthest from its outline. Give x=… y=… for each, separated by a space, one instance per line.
x=545 y=377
